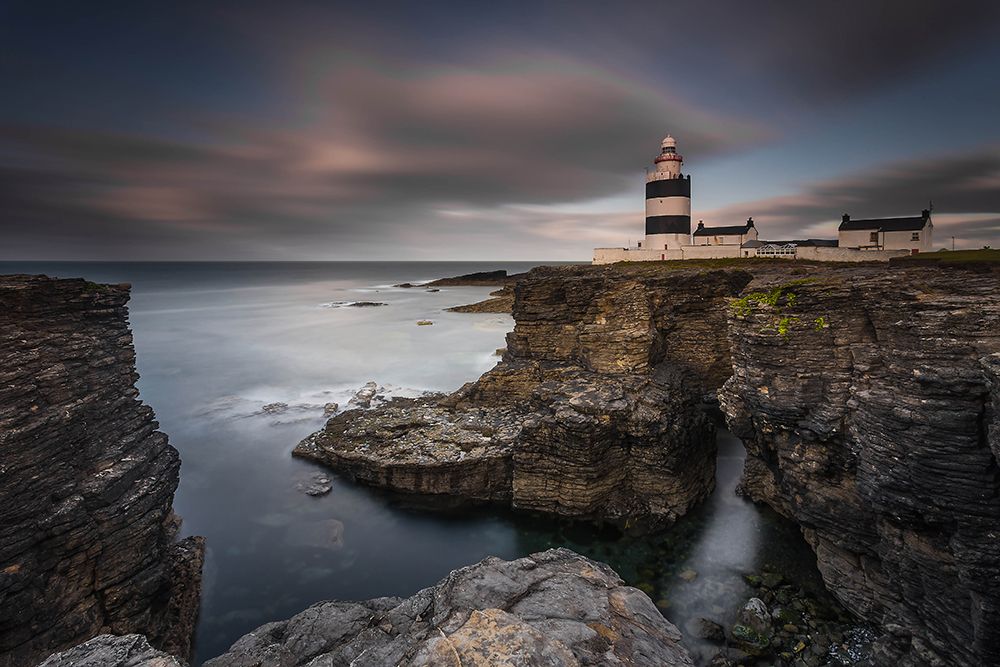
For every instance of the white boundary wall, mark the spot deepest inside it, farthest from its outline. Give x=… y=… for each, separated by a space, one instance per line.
x=815 y=253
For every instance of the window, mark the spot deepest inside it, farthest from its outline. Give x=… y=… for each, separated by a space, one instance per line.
x=915 y=236
x=873 y=237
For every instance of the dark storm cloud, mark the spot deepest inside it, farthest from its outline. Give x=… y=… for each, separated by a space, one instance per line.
x=964 y=189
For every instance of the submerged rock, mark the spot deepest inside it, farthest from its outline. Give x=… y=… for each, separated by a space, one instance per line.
x=553 y=608
x=316 y=484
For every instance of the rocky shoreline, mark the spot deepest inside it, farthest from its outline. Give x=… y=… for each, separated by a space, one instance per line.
x=861 y=395
x=867 y=398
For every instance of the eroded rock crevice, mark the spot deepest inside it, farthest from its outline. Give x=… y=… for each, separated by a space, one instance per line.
x=864 y=423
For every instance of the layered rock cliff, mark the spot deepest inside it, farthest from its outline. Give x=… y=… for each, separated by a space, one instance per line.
x=86 y=481
x=864 y=399
x=593 y=411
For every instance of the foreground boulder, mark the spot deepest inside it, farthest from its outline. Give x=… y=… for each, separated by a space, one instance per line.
x=113 y=651
x=868 y=405
x=86 y=481
x=594 y=411
x=554 y=608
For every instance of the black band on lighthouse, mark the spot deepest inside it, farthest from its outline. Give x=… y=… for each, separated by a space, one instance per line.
x=668 y=224
x=672 y=187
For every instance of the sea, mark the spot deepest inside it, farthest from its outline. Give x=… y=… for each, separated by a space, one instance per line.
x=242 y=360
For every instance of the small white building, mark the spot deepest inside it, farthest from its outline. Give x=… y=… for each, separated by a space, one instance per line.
x=732 y=235
x=914 y=234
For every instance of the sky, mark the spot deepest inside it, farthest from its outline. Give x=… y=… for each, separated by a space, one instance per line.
x=219 y=130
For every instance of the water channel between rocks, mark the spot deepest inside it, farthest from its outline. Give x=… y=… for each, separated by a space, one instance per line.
x=216 y=343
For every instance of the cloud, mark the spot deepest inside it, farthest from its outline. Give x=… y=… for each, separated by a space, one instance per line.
x=380 y=149
x=964 y=189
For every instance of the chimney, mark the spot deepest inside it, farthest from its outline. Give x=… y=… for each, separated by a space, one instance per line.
x=750 y=221
x=845 y=218
x=701 y=225
x=926 y=213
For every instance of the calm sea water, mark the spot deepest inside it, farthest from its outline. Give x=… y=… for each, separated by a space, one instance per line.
x=216 y=342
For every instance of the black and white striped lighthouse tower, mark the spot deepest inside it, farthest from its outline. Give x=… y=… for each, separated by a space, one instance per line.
x=668 y=201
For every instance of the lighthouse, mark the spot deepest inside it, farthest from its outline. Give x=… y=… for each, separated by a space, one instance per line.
x=668 y=201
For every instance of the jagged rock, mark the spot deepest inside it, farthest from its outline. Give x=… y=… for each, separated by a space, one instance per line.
x=500 y=301
x=113 y=651
x=330 y=409
x=553 y=608
x=86 y=480
x=363 y=397
x=868 y=419
x=478 y=279
x=275 y=408
x=593 y=412
x=755 y=616
x=424 y=323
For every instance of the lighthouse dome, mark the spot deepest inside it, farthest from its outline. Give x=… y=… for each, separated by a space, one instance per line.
x=669 y=142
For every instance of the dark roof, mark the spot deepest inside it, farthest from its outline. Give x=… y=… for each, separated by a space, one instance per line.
x=915 y=223
x=732 y=230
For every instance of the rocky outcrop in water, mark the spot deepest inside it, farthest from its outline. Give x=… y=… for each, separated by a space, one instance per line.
x=86 y=481
x=500 y=301
x=868 y=405
x=553 y=608
x=593 y=412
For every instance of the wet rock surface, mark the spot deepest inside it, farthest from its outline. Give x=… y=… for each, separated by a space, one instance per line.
x=868 y=405
x=551 y=608
x=593 y=411
x=87 y=535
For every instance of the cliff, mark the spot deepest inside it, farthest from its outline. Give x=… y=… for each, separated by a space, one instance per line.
x=868 y=403
x=867 y=398
x=593 y=411
x=86 y=481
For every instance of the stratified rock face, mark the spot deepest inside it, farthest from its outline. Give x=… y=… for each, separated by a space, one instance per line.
x=592 y=413
x=86 y=480
x=616 y=447
x=555 y=608
x=864 y=404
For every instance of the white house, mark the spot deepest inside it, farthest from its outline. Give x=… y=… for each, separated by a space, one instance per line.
x=914 y=234
x=731 y=235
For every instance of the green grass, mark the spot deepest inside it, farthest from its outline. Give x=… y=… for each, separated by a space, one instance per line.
x=952 y=257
